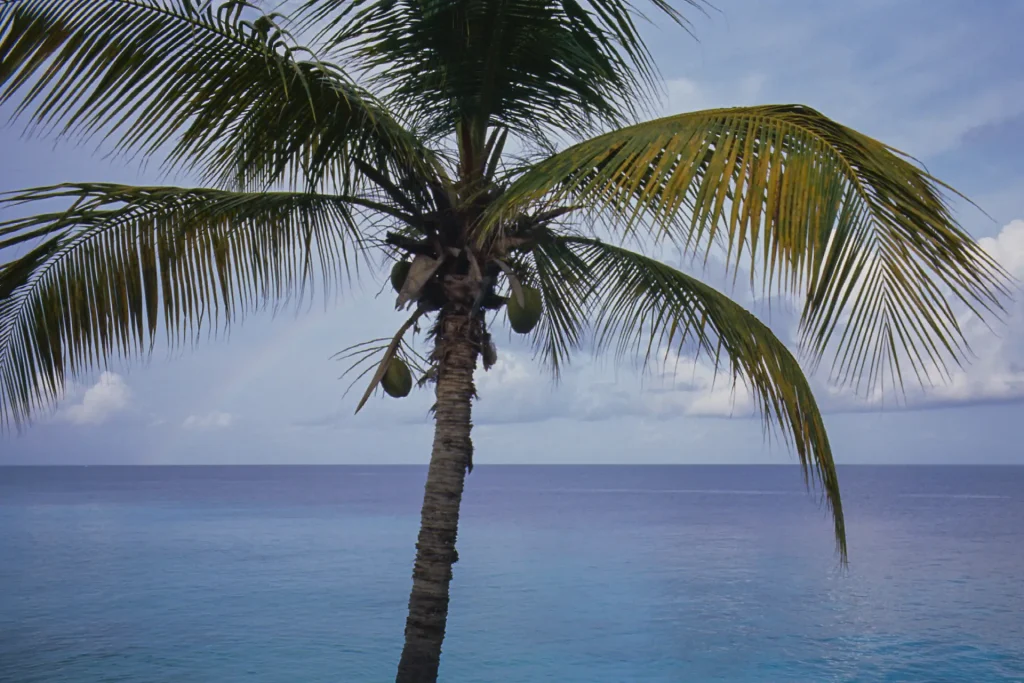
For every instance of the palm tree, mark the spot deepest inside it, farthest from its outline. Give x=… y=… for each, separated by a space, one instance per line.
x=490 y=145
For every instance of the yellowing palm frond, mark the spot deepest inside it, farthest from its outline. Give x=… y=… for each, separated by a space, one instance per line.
x=817 y=209
x=640 y=305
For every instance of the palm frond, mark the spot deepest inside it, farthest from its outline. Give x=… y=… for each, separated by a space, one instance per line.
x=102 y=276
x=814 y=208
x=641 y=306
x=223 y=87
x=374 y=354
x=529 y=65
x=564 y=281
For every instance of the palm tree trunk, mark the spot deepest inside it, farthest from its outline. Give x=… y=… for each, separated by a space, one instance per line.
x=439 y=521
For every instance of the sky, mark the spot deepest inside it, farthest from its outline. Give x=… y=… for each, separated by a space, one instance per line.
x=942 y=80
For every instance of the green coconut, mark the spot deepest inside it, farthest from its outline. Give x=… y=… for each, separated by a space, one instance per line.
x=397 y=380
x=524 y=318
x=399 y=272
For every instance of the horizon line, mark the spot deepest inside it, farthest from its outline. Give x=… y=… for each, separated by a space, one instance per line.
x=511 y=464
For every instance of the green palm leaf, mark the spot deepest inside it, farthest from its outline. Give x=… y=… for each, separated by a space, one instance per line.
x=818 y=210
x=223 y=87
x=640 y=305
x=102 y=276
x=564 y=281
x=529 y=65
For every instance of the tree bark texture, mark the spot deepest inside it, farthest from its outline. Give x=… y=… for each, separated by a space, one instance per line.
x=452 y=452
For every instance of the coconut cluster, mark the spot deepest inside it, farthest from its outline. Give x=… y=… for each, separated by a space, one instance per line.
x=523 y=316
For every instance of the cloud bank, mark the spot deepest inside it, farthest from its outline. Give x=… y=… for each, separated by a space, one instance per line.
x=209 y=421
x=108 y=397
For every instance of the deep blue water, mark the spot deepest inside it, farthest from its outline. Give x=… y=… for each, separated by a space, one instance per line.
x=595 y=574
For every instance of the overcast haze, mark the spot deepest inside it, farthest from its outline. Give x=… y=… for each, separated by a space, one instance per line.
x=941 y=80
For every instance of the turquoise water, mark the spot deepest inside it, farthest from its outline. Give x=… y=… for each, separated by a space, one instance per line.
x=597 y=574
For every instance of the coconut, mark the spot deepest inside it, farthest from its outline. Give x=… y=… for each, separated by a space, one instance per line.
x=489 y=352
x=397 y=380
x=524 y=318
x=399 y=272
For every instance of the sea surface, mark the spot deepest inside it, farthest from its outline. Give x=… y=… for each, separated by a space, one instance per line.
x=590 y=574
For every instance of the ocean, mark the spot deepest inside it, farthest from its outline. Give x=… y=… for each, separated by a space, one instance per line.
x=591 y=574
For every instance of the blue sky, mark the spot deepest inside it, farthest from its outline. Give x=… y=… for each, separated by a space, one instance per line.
x=941 y=79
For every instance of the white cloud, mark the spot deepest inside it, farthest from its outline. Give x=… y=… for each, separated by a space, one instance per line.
x=723 y=400
x=1008 y=247
x=209 y=421
x=110 y=395
x=997 y=372
x=518 y=389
